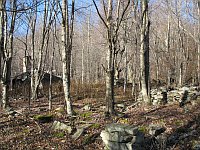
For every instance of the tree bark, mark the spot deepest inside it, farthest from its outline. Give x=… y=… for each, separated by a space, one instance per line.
x=144 y=52
x=67 y=36
x=7 y=52
x=198 y=55
x=109 y=59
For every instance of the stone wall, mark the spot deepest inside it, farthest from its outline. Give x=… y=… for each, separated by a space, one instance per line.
x=163 y=95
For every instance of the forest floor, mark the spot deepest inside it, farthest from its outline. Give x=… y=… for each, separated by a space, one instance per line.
x=22 y=131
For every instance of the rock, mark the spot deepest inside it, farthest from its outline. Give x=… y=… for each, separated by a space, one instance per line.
x=11 y=113
x=43 y=118
x=156 y=130
x=87 y=107
x=118 y=146
x=197 y=147
x=61 y=126
x=120 y=105
x=103 y=107
x=138 y=139
x=122 y=128
x=122 y=137
x=59 y=109
x=78 y=133
x=183 y=89
x=80 y=130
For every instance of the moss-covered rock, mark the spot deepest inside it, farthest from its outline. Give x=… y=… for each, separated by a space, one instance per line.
x=44 y=118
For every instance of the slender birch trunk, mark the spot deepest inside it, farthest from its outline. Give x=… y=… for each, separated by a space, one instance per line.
x=7 y=49
x=67 y=37
x=1 y=41
x=82 y=61
x=88 y=48
x=33 y=26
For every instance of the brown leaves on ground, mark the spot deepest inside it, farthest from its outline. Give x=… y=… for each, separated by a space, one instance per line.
x=23 y=132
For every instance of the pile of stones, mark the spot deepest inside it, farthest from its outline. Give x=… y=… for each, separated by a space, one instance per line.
x=163 y=95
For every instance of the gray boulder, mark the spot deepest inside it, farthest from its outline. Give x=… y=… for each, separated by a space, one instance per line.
x=80 y=130
x=122 y=137
x=197 y=147
x=57 y=125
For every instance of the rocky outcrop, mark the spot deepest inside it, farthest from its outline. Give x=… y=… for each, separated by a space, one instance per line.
x=128 y=137
x=122 y=137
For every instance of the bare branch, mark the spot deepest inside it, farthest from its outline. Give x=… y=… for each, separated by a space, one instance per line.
x=121 y=18
x=99 y=13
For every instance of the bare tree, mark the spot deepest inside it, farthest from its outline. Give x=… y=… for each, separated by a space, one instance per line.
x=7 y=47
x=112 y=39
x=67 y=39
x=38 y=66
x=144 y=52
x=198 y=56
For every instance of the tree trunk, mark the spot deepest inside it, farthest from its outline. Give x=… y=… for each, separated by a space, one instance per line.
x=33 y=26
x=112 y=39
x=5 y=82
x=198 y=55
x=6 y=51
x=66 y=51
x=110 y=63
x=88 y=49
x=144 y=52
x=1 y=40
x=82 y=61
x=168 y=39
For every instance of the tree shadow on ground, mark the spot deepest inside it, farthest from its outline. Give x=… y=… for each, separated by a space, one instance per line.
x=186 y=136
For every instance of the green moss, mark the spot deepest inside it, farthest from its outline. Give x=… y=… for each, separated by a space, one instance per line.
x=86 y=114
x=95 y=126
x=59 y=135
x=123 y=120
x=26 y=131
x=143 y=129
x=86 y=140
x=178 y=123
x=161 y=121
x=44 y=118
